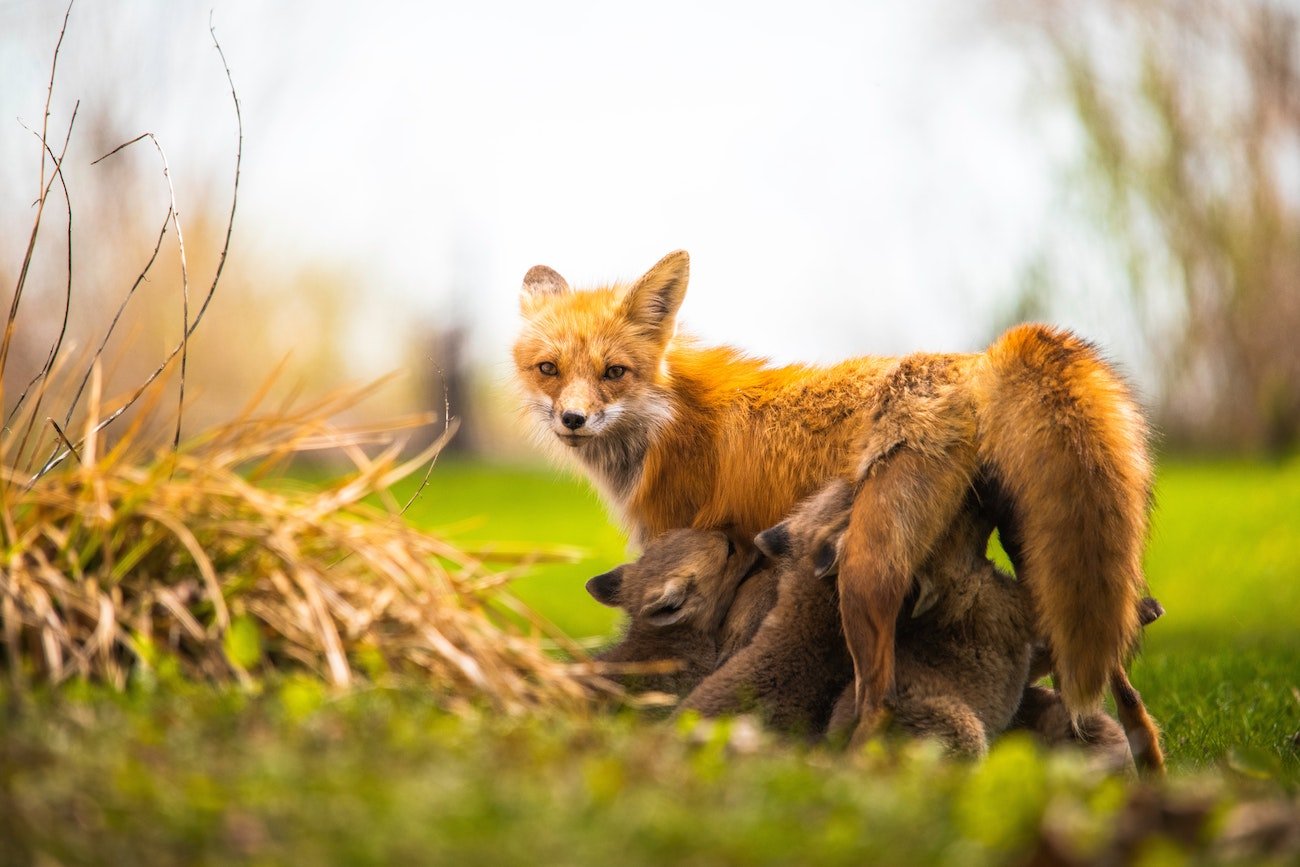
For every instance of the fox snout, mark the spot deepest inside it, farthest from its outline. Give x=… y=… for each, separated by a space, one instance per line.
x=575 y=412
x=575 y=425
x=570 y=425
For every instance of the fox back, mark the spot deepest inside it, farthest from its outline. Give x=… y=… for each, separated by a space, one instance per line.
x=668 y=430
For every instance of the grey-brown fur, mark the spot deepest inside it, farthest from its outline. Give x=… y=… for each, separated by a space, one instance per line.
x=962 y=662
x=964 y=645
x=964 y=659
x=690 y=599
x=1044 y=715
x=798 y=661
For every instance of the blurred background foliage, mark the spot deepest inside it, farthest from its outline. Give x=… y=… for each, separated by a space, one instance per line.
x=1189 y=114
x=1171 y=137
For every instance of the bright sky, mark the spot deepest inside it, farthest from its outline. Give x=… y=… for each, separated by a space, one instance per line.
x=848 y=178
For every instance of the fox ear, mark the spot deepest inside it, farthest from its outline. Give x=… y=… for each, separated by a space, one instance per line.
x=826 y=559
x=604 y=588
x=667 y=608
x=653 y=301
x=541 y=281
x=774 y=541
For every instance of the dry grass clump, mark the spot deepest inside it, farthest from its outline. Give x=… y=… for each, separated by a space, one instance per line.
x=111 y=564
x=117 y=558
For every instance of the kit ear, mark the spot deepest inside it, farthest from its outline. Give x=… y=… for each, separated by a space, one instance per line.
x=541 y=282
x=927 y=594
x=774 y=541
x=826 y=559
x=653 y=301
x=604 y=588
x=669 y=607
x=665 y=615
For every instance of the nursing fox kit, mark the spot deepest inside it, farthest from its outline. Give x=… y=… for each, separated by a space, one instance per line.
x=764 y=636
x=1038 y=426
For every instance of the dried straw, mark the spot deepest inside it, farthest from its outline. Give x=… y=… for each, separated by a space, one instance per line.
x=116 y=563
x=124 y=559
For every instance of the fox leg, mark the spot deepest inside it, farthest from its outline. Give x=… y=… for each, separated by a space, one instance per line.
x=909 y=497
x=1042 y=711
x=1141 y=730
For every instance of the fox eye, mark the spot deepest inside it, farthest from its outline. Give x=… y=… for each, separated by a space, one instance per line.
x=615 y=371
x=548 y=368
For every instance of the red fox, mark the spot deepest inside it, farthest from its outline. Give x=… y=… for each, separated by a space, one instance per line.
x=676 y=434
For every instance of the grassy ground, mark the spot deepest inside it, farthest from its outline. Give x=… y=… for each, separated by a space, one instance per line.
x=171 y=772
x=1218 y=671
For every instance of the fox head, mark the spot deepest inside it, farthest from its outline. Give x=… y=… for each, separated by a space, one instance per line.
x=685 y=578
x=589 y=362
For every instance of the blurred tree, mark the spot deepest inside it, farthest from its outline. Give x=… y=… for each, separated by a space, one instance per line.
x=1189 y=112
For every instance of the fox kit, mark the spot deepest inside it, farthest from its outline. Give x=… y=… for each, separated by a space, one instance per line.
x=798 y=662
x=962 y=665
x=778 y=650
x=680 y=435
x=693 y=597
x=960 y=684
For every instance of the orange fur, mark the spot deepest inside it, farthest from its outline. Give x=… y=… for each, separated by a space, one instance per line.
x=679 y=435
x=1068 y=446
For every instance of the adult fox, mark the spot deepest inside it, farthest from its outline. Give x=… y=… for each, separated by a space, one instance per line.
x=675 y=434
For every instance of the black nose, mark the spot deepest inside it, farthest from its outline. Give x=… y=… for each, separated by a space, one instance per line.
x=573 y=420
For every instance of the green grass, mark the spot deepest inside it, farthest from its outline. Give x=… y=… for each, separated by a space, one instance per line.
x=1217 y=671
x=172 y=772
x=519 y=508
x=295 y=776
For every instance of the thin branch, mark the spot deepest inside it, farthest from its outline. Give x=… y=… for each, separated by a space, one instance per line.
x=140 y=278
x=175 y=212
x=40 y=205
x=64 y=438
x=239 y=158
x=221 y=262
x=49 y=90
x=43 y=375
x=447 y=430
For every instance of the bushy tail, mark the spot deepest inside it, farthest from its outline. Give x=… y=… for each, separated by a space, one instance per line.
x=1067 y=445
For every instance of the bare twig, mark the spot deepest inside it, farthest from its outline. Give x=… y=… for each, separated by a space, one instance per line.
x=43 y=374
x=203 y=308
x=40 y=205
x=64 y=438
x=140 y=278
x=448 y=431
x=239 y=158
x=175 y=212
